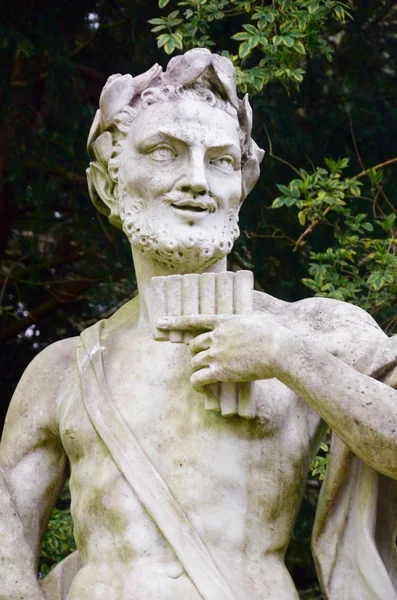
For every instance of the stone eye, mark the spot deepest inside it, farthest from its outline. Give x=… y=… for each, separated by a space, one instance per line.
x=163 y=153
x=224 y=163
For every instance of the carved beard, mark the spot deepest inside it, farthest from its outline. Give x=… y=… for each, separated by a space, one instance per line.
x=194 y=251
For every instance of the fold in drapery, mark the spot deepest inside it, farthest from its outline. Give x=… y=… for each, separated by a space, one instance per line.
x=141 y=474
x=355 y=529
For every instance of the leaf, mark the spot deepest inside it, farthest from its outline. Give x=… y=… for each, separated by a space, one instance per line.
x=253 y=42
x=355 y=189
x=158 y=28
x=302 y=217
x=271 y=17
x=302 y=24
x=251 y=29
x=173 y=15
x=285 y=27
x=169 y=45
x=331 y=164
x=313 y=6
x=277 y=40
x=162 y=39
x=299 y=47
x=295 y=187
x=376 y=280
x=376 y=176
x=280 y=201
x=163 y=3
x=288 y=41
x=284 y=189
x=343 y=163
x=177 y=41
x=240 y=36
x=175 y=22
x=298 y=76
x=339 y=13
x=157 y=21
x=310 y=284
x=244 y=49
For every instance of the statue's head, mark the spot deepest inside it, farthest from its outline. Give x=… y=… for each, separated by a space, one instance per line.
x=172 y=159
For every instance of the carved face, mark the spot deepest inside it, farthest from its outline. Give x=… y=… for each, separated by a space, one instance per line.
x=180 y=182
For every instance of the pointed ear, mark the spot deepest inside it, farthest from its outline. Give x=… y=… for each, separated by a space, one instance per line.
x=101 y=189
x=251 y=171
x=250 y=175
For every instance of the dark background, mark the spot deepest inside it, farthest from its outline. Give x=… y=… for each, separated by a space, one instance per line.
x=63 y=265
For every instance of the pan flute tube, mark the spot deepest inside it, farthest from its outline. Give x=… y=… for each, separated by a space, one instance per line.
x=190 y=300
x=208 y=293
x=173 y=286
x=207 y=303
x=207 y=306
x=243 y=305
x=225 y=306
x=243 y=292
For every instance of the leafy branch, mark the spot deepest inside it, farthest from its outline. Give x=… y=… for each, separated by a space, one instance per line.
x=361 y=266
x=279 y=38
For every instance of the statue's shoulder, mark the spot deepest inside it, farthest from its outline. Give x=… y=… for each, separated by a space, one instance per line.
x=328 y=315
x=342 y=328
x=55 y=360
x=36 y=398
x=319 y=313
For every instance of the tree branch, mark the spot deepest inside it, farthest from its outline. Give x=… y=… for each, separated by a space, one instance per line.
x=309 y=229
x=376 y=167
x=277 y=157
x=49 y=305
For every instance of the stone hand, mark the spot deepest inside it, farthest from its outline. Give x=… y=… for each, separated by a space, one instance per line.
x=233 y=348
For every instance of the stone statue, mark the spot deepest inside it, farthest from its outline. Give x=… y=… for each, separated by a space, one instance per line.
x=188 y=460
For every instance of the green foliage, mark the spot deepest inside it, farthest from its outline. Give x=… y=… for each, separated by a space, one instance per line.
x=58 y=540
x=277 y=40
x=169 y=41
x=361 y=265
x=319 y=464
x=322 y=190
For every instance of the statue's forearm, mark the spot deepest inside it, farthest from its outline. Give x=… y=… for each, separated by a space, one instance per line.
x=361 y=410
x=17 y=564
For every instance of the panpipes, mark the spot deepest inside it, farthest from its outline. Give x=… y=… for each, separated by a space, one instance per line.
x=224 y=293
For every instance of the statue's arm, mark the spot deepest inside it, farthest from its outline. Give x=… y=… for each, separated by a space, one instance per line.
x=32 y=471
x=361 y=410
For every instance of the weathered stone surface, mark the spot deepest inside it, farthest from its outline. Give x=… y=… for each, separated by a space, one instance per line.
x=189 y=460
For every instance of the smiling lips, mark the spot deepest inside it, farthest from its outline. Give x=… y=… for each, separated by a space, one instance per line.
x=192 y=207
x=196 y=205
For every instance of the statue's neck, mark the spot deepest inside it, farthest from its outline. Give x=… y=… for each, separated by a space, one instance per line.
x=146 y=268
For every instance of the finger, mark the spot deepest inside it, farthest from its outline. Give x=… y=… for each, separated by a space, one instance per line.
x=199 y=343
x=201 y=378
x=192 y=323
x=200 y=361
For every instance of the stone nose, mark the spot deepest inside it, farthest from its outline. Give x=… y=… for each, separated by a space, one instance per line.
x=194 y=180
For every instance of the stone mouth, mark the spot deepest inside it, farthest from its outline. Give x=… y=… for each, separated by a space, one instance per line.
x=191 y=207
